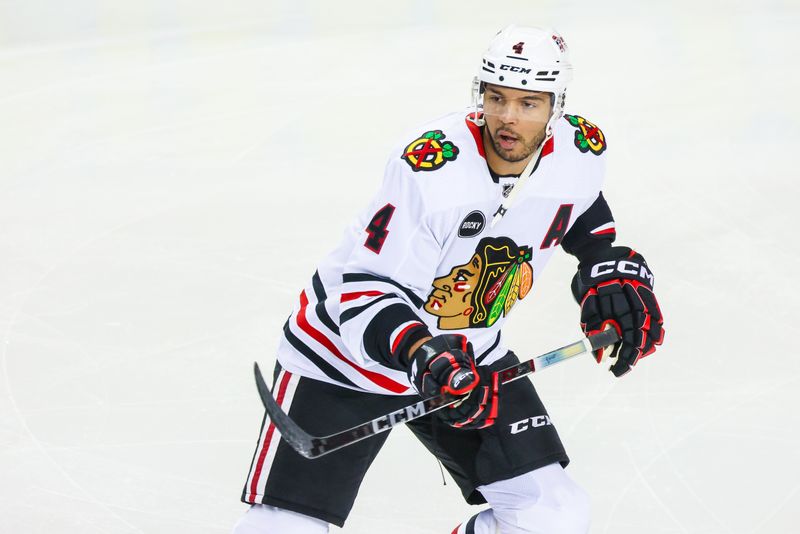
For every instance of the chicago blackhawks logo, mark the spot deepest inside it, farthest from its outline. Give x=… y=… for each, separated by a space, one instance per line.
x=428 y=152
x=478 y=293
x=588 y=136
x=560 y=42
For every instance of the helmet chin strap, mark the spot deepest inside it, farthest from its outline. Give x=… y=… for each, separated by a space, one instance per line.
x=557 y=112
x=476 y=96
x=523 y=179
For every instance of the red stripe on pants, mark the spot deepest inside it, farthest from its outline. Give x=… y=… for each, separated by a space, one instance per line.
x=268 y=439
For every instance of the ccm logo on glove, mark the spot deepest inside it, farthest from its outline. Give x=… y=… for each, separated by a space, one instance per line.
x=446 y=364
x=615 y=290
x=628 y=267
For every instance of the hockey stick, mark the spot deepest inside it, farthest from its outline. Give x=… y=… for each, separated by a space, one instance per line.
x=316 y=446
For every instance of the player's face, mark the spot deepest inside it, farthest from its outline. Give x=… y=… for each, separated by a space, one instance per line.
x=451 y=294
x=515 y=120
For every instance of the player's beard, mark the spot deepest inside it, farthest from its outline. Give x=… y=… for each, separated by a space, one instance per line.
x=515 y=156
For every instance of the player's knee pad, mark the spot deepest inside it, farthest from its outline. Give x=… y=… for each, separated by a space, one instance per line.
x=544 y=501
x=263 y=519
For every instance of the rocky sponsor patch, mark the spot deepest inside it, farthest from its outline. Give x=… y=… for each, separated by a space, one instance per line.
x=472 y=224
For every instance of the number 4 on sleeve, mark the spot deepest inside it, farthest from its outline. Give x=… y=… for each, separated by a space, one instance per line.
x=376 y=229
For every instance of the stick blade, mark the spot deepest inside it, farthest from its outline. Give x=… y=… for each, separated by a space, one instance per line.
x=292 y=434
x=263 y=390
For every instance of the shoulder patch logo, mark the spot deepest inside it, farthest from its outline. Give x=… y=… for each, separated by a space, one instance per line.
x=560 y=42
x=428 y=152
x=588 y=137
x=472 y=224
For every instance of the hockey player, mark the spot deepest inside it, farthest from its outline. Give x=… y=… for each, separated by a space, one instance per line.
x=413 y=300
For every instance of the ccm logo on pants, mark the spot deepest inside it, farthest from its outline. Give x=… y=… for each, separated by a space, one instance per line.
x=530 y=422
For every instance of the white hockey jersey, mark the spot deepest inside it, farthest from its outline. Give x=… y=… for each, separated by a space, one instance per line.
x=423 y=260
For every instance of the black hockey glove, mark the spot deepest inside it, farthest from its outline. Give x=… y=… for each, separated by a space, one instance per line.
x=615 y=289
x=445 y=364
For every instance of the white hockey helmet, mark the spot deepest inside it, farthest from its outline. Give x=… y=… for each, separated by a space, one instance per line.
x=532 y=59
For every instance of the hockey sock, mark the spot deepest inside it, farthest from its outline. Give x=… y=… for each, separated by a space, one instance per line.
x=481 y=523
x=263 y=519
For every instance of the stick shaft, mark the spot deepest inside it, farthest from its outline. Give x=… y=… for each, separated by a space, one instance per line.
x=316 y=446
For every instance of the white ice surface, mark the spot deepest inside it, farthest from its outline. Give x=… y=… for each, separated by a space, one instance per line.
x=171 y=171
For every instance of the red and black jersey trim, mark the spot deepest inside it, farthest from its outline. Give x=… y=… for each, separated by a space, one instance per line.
x=350 y=313
x=314 y=358
x=319 y=289
x=319 y=308
x=470 y=526
x=363 y=277
x=485 y=353
x=379 y=331
x=466 y=528
x=329 y=347
x=580 y=241
x=325 y=318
